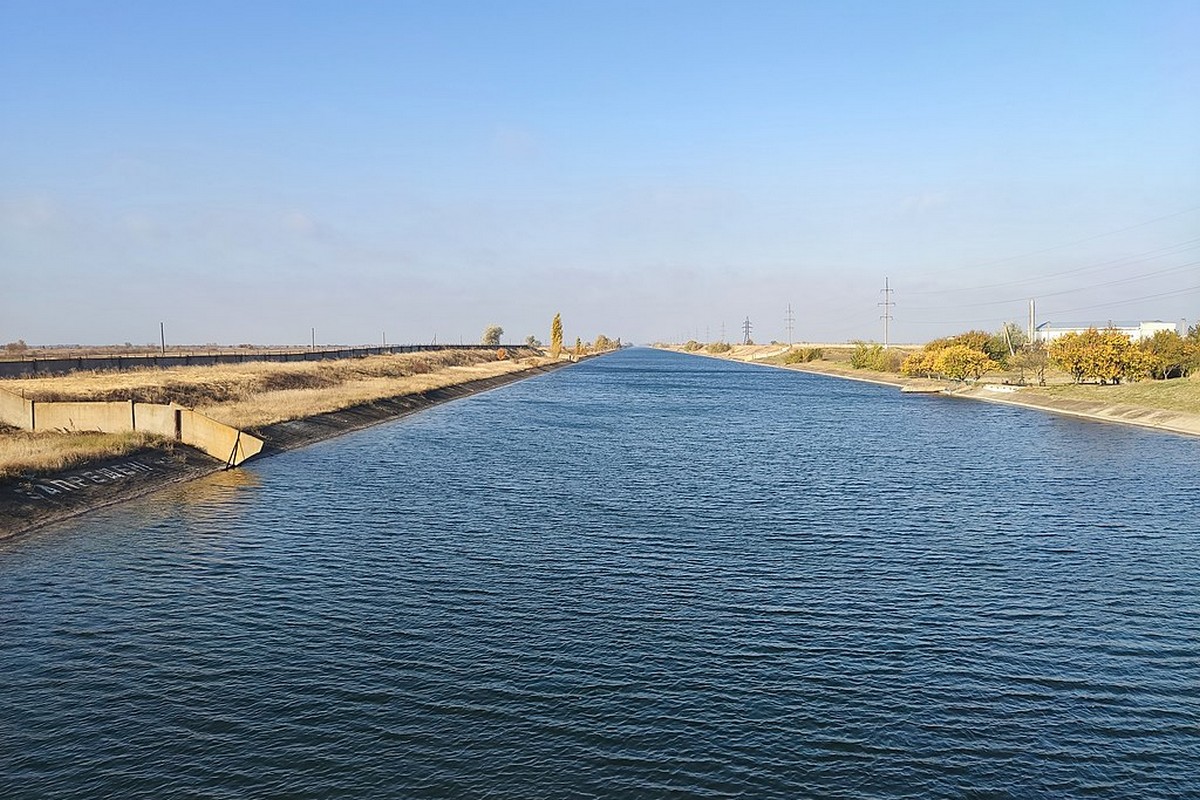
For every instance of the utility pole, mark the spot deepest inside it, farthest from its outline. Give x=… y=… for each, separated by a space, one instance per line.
x=1032 y=321
x=790 y=319
x=722 y=331
x=746 y=326
x=887 y=309
x=162 y=337
x=314 y=340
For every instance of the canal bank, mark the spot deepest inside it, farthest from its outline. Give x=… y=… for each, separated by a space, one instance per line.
x=1161 y=419
x=34 y=501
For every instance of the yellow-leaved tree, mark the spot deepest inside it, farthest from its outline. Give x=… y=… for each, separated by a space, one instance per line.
x=556 y=336
x=959 y=362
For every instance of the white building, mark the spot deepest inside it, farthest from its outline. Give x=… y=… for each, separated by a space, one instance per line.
x=1136 y=331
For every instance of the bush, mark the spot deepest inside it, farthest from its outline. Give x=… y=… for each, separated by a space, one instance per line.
x=692 y=346
x=719 y=347
x=803 y=355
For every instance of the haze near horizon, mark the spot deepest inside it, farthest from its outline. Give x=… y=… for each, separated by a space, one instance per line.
x=246 y=172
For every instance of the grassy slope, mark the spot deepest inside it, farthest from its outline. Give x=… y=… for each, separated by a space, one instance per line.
x=1181 y=394
x=24 y=451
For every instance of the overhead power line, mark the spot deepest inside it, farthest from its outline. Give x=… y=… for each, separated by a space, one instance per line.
x=1123 y=301
x=1118 y=281
x=1083 y=240
x=1172 y=249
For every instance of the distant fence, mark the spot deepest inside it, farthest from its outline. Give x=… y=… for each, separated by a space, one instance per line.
x=61 y=366
x=217 y=439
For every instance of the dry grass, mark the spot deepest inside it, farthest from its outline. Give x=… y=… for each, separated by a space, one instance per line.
x=22 y=452
x=256 y=394
x=1180 y=394
x=208 y=385
x=280 y=405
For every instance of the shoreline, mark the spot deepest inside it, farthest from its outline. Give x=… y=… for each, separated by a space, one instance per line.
x=33 y=503
x=1179 y=423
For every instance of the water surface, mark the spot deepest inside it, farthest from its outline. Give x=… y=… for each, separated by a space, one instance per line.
x=649 y=575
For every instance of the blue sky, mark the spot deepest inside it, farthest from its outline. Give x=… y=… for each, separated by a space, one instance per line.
x=653 y=170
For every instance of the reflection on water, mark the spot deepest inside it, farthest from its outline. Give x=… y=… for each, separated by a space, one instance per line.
x=648 y=575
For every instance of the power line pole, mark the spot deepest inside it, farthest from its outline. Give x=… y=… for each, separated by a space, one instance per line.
x=746 y=331
x=887 y=309
x=162 y=337
x=722 y=331
x=790 y=319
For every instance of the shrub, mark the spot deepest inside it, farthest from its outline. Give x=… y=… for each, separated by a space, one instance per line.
x=803 y=355
x=692 y=346
x=719 y=347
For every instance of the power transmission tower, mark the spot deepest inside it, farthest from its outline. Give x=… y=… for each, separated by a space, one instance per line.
x=746 y=331
x=790 y=319
x=722 y=331
x=887 y=309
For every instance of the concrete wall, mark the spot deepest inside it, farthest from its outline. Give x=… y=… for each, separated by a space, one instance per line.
x=61 y=366
x=107 y=417
x=15 y=410
x=217 y=439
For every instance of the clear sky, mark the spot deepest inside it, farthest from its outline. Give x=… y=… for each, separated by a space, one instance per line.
x=244 y=171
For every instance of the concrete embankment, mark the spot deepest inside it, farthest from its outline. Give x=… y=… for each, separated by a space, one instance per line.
x=1098 y=410
x=32 y=502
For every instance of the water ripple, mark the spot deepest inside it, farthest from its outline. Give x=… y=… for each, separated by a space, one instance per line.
x=646 y=576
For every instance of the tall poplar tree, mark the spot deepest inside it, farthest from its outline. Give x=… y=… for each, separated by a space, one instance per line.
x=556 y=336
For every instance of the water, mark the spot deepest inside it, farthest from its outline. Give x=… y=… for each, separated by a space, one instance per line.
x=650 y=575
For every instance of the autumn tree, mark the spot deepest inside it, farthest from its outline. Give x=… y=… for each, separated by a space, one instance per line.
x=1105 y=356
x=959 y=362
x=556 y=336
x=1068 y=353
x=578 y=347
x=1170 y=355
x=492 y=334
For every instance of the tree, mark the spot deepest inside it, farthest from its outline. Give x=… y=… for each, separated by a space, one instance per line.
x=959 y=362
x=1005 y=342
x=578 y=347
x=1033 y=359
x=1068 y=353
x=492 y=334
x=532 y=341
x=920 y=365
x=1170 y=355
x=556 y=336
x=1106 y=356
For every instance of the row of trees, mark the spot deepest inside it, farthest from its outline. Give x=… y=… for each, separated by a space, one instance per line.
x=1109 y=356
x=958 y=358
x=1105 y=356
x=492 y=334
